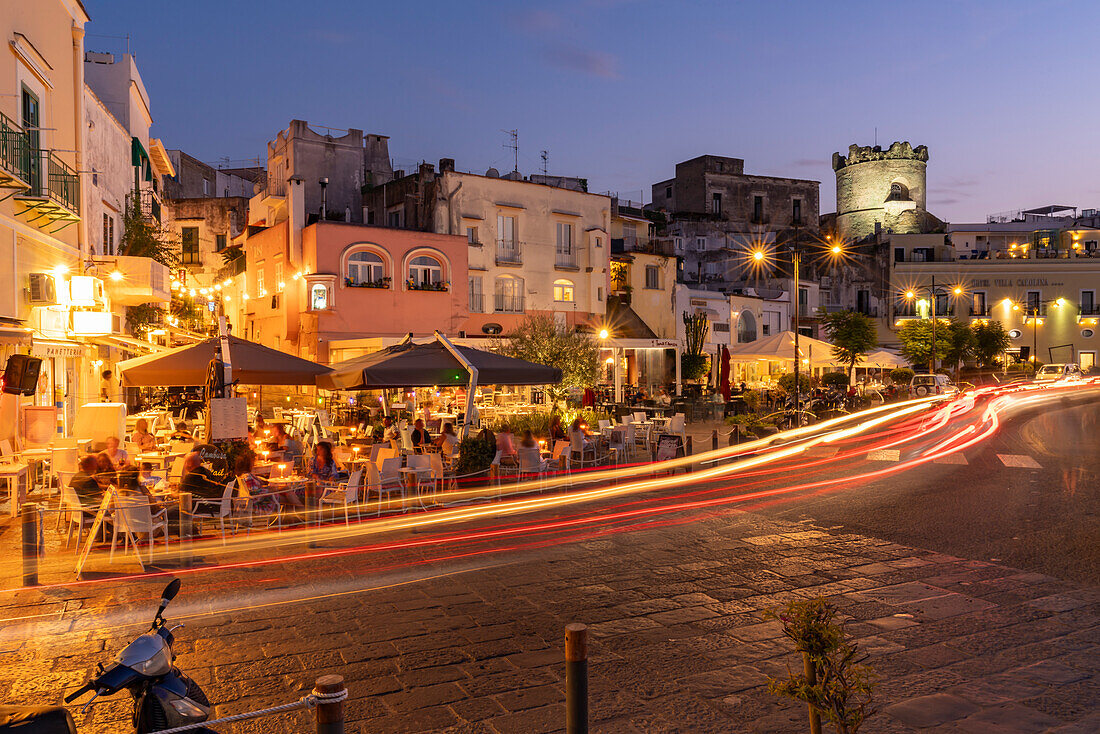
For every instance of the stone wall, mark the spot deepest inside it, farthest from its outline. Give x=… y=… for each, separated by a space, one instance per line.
x=863 y=190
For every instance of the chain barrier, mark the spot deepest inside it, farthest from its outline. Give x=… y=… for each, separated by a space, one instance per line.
x=308 y=701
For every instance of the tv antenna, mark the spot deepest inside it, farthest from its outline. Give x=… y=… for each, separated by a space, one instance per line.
x=514 y=145
x=545 y=155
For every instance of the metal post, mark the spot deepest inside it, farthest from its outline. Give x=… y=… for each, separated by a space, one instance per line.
x=811 y=680
x=29 y=522
x=330 y=715
x=186 y=528
x=714 y=440
x=797 y=354
x=576 y=678
x=1035 y=337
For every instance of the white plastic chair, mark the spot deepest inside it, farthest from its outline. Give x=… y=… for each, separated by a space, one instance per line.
x=530 y=462
x=216 y=509
x=77 y=516
x=133 y=515
x=677 y=426
x=640 y=417
x=386 y=481
x=441 y=476
x=561 y=450
x=345 y=494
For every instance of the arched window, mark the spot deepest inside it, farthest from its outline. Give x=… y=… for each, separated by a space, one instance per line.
x=563 y=291
x=898 y=192
x=365 y=268
x=746 y=328
x=508 y=294
x=425 y=271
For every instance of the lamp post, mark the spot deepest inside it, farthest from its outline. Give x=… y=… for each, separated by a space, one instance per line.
x=932 y=292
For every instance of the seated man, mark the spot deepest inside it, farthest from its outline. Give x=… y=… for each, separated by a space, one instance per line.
x=85 y=485
x=181 y=433
x=420 y=435
x=198 y=480
x=391 y=432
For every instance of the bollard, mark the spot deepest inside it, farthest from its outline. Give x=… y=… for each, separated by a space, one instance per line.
x=330 y=714
x=714 y=440
x=735 y=436
x=186 y=528
x=29 y=521
x=689 y=449
x=576 y=678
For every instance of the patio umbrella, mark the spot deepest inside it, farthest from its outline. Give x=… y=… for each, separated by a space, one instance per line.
x=780 y=348
x=882 y=358
x=724 y=374
x=425 y=365
x=253 y=364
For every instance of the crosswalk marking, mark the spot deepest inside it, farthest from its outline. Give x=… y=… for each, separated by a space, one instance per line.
x=951 y=459
x=884 y=455
x=1019 y=461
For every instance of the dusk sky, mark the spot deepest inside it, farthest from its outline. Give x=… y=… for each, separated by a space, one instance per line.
x=619 y=91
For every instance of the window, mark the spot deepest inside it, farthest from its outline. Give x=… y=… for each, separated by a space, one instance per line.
x=668 y=192
x=475 y=295
x=1033 y=301
x=563 y=291
x=206 y=187
x=425 y=271
x=978 y=308
x=678 y=243
x=630 y=233
x=599 y=242
x=471 y=236
x=652 y=277
x=715 y=203
x=108 y=234
x=279 y=284
x=318 y=297
x=599 y=294
x=796 y=211
x=564 y=247
x=700 y=244
x=31 y=121
x=899 y=254
x=746 y=327
x=395 y=218
x=508 y=294
x=863 y=302
x=506 y=232
x=758 y=209
x=189 y=236
x=260 y=290
x=220 y=241
x=803 y=299
x=1088 y=302
x=365 y=268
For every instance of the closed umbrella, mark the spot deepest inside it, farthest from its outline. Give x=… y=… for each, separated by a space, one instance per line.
x=724 y=373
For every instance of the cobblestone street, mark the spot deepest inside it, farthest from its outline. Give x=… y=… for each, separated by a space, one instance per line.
x=679 y=637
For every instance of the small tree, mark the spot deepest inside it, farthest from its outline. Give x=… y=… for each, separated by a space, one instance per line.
x=693 y=362
x=143 y=237
x=990 y=342
x=960 y=344
x=542 y=340
x=901 y=376
x=853 y=335
x=834 y=682
x=916 y=341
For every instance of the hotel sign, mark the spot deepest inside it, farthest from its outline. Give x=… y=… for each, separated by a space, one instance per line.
x=1010 y=283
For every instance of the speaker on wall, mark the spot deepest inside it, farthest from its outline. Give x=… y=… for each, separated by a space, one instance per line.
x=21 y=374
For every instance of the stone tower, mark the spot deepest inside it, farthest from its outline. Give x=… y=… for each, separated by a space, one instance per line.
x=880 y=189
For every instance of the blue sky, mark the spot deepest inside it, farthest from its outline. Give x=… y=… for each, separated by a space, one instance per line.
x=618 y=91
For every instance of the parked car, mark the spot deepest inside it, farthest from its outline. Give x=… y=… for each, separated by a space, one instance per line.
x=928 y=384
x=1059 y=373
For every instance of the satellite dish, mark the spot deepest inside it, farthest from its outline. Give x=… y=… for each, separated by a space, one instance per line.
x=493 y=173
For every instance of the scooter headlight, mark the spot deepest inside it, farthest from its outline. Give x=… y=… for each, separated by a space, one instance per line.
x=187 y=707
x=159 y=663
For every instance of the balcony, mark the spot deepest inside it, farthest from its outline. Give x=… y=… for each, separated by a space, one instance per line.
x=57 y=199
x=233 y=268
x=15 y=159
x=438 y=285
x=506 y=303
x=477 y=303
x=508 y=253
x=133 y=281
x=566 y=260
x=147 y=203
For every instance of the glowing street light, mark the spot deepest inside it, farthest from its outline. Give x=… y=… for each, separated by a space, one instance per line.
x=604 y=333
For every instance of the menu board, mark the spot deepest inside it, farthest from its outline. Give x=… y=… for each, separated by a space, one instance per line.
x=228 y=418
x=39 y=424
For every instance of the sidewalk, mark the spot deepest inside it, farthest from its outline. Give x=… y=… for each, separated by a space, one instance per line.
x=679 y=641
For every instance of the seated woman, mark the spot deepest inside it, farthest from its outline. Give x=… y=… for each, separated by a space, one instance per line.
x=129 y=483
x=324 y=468
x=105 y=472
x=447 y=439
x=528 y=440
x=118 y=456
x=557 y=430
x=141 y=436
x=578 y=437
x=506 y=444
x=265 y=499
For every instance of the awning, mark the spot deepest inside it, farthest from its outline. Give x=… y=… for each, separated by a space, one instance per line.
x=253 y=364
x=15 y=335
x=427 y=365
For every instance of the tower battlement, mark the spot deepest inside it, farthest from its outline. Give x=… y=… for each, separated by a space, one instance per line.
x=866 y=153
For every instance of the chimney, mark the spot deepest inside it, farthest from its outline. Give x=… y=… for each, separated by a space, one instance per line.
x=426 y=169
x=399 y=173
x=446 y=164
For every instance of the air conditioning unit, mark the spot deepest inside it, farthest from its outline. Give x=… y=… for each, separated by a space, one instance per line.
x=43 y=290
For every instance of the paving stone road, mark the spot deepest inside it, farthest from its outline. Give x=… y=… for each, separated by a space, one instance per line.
x=679 y=638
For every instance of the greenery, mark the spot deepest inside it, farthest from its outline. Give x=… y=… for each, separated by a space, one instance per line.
x=752 y=425
x=786 y=383
x=916 y=341
x=541 y=340
x=141 y=319
x=474 y=455
x=538 y=422
x=901 y=376
x=960 y=344
x=693 y=362
x=853 y=336
x=143 y=237
x=834 y=682
x=231 y=253
x=990 y=342
x=835 y=379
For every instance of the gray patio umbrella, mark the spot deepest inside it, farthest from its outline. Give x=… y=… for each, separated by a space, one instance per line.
x=253 y=364
x=433 y=364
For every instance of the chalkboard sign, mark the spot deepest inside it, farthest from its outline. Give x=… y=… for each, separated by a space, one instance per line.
x=669 y=446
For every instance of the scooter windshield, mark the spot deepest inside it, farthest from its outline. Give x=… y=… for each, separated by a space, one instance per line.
x=148 y=655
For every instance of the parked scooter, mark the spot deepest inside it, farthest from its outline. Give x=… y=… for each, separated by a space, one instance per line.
x=164 y=697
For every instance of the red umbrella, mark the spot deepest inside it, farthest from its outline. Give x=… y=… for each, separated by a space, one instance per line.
x=724 y=374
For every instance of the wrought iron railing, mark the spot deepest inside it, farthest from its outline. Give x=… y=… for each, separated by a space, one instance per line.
x=507 y=303
x=15 y=151
x=63 y=184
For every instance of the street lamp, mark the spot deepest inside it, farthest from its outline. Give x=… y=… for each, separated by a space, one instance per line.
x=758 y=257
x=1033 y=311
x=932 y=292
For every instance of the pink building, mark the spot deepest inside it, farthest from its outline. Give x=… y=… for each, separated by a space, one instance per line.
x=354 y=281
